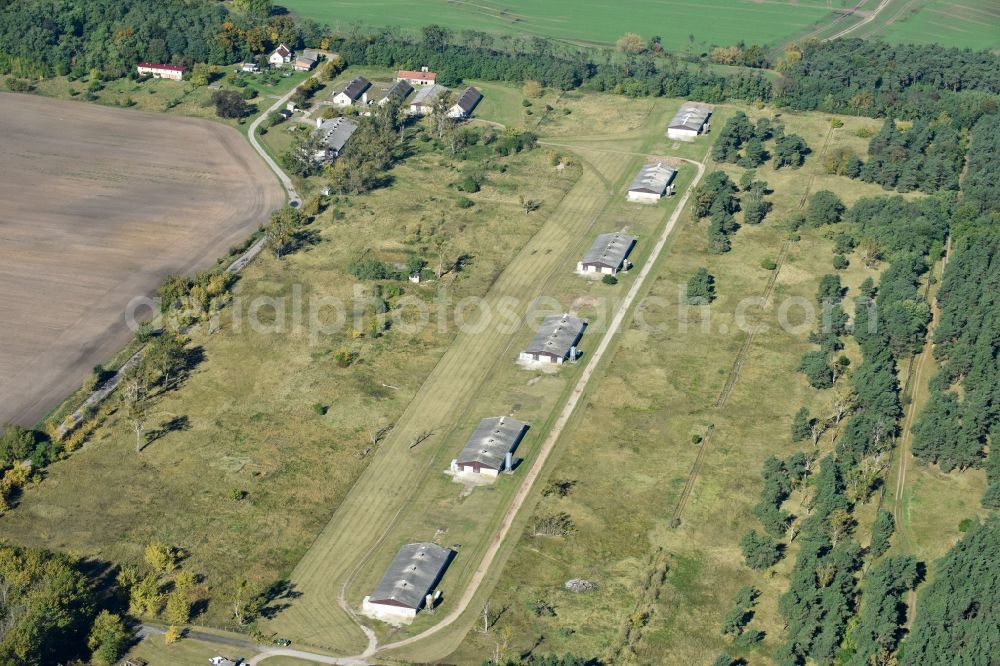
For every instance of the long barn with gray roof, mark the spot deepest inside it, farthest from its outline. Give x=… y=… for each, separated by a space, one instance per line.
x=409 y=581
x=556 y=340
x=491 y=446
x=689 y=122
x=608 y=254
x=651 y=183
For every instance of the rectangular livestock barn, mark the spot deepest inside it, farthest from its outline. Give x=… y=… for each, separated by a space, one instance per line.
x=689 y=122
x=173 y=72
x=423 y=103
x=651 y=183
x=351 y=92
x=467 y=102
x=407 y=585
x=608 y=254
x=556 y=340
x=381 y=94
x=489 y=449
x=332 y=134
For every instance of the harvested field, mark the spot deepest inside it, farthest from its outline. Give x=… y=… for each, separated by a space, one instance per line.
x=99 y=205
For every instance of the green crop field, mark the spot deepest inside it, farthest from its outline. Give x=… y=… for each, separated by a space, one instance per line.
x=592 y=22
x=973 y=24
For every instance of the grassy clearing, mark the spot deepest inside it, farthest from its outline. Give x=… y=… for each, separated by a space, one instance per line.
x=591 y=24
x=250 y=422
x=657 y=391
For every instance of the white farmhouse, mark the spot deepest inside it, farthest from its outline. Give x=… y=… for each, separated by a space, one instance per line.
x=280 y=56
x=466 y=102
x=408 y=583
x=351 y=92
x=490 y=449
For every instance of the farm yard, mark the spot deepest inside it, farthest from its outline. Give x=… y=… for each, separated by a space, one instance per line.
x=101 y=204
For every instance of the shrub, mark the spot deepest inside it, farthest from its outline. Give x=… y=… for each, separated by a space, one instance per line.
x=344 y=357
x=465 y=202
x=609 y=279
x=769 y=264
x=320 y=408
x=840 y=262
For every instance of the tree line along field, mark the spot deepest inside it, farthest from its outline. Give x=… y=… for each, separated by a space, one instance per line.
x=589 y=23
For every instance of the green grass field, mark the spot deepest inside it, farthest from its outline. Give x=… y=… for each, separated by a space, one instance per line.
x=591 y=22
x=971 y=24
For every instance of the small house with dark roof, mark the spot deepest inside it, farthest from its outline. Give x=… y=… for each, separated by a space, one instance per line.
x=556 y=340
x=651 y=183
x=381 y=94
x=351 y=92
x=608 y=254
x=408 y=584
x=466 y=103
x=689 y=122
x=280 y=56
x=490 y=449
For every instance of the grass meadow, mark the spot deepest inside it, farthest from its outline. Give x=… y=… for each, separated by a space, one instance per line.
x=589 y=23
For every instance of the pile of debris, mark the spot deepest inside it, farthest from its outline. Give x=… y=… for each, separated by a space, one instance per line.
x=579 y=585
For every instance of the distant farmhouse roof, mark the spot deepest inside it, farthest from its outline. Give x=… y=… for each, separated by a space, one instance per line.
x=426 y=96
x=491 y=441
x=413 y=573
x=355 y=87
x=468 y=100
x=305 y=60
x=557 y=335
x=690 y=117
x=334 y=133
x=653 y=178
x=283 y=51
x=609 y=250
x=411 y=75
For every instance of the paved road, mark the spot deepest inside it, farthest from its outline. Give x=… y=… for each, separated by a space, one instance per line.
x=557 y=428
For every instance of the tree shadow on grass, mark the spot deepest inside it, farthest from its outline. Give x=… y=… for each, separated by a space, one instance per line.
x=175 y=424
x=278 y=591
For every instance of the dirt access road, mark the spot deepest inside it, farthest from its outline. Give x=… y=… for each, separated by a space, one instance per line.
x=98 y=205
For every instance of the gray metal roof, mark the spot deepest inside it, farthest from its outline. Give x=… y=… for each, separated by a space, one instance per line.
x=610 y=249
x=556 y=335
x=468 y=100
x=412 y=574
x=653 y=178
x=335 y=132
x=355 y=87
x=427 y=94
x=491 y=441
x=690 y=117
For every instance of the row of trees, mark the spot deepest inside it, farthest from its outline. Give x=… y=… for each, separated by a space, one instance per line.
x=743 y=143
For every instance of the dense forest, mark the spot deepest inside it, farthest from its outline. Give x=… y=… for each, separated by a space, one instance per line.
x=41 y=38
x=962 y=418
x=958 y=612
